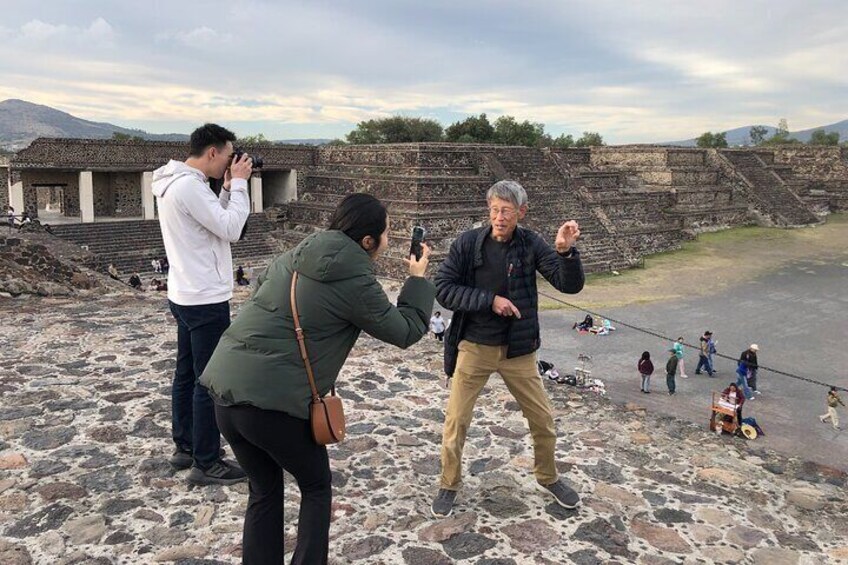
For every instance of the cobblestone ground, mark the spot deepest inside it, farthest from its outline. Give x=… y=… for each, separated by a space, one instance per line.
x=84 y=478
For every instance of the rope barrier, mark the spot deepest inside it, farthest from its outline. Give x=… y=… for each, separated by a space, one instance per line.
x=666 y=338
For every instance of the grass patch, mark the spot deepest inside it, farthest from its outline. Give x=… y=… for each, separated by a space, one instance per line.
x=710 y=263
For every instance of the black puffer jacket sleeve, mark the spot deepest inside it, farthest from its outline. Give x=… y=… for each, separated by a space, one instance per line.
x=451 y=292
x=564 y=273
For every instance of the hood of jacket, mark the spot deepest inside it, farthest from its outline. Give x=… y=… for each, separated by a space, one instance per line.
x=331 y=256
x=164 y=176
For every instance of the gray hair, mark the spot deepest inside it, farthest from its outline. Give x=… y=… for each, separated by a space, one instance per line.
x=508 y=190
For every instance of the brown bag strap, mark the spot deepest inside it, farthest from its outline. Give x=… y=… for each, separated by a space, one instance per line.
x=301 y=341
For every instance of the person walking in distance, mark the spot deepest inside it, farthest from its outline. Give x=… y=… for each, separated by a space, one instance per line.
x=833 y=401
x=437 y=326
x=677 y=346
x=749 y=358
x=704 y=354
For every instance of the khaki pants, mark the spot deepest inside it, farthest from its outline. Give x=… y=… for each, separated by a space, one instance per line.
x=832 y=415
x=474 y=365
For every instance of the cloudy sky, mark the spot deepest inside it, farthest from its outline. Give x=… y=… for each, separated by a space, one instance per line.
x=652 y=70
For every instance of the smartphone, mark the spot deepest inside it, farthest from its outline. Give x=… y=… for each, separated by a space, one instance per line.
x=418 y=234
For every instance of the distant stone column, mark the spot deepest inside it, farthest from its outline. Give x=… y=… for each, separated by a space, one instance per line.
x=86 y=196
x=148 y=201
x=256 y=193
x=16 y=196
x=290 y=186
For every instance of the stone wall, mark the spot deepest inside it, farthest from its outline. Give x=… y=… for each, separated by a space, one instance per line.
x=97 y=154
x=67 y=180
x=117 y=194
x=4 y=187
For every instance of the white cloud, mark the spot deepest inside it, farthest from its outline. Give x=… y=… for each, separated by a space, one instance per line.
x=203 y=37
x=39 y=31
x=99 y=32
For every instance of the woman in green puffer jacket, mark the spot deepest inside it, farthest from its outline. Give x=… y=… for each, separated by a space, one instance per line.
x=259 y=382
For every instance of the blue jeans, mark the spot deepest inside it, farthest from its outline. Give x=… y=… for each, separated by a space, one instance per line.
x=704 y=361
x=193 y=424
x=669 y=381
x=742 y=383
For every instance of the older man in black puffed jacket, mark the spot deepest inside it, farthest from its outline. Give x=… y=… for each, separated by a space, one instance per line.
x=489 y=281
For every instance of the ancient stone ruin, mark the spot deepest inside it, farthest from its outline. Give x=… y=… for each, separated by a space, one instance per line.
x=629 y=200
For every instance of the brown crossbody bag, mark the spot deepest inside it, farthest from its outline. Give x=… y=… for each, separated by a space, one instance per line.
x=326 y=415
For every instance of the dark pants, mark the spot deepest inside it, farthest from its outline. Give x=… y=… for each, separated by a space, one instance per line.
x=669 y=380
x=193 y=424
x=265 y=442
x=440 y=336
x=752 y=378
x=704 y=361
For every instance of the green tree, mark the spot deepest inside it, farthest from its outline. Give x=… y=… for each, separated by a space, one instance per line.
x=589 y=139
x=396 y=129
x=821 y=137
x=254 y=139
x=563 y=141
x=473 y=129
x=758 y=134
x=510 y=131
x=710 y=139
x=781 y=136
x=336 y=143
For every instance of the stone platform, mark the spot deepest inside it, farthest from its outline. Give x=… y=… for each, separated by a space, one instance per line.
x=84 y=478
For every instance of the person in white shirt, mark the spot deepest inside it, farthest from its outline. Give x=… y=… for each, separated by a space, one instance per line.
x=197 y=229
x=437 y=326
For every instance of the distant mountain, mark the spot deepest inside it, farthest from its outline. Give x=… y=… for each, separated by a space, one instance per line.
x=21 y=122
x=742 y=136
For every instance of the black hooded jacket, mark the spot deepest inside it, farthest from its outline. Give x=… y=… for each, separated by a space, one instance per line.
x=527 y=253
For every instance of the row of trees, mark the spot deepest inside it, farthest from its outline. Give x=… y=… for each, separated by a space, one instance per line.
x=506 y=130
x=780 y=137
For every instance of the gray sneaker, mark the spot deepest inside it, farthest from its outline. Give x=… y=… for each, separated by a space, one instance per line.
x=181 y=459
x=564 y=495
x=442 y=506
x=219 y=473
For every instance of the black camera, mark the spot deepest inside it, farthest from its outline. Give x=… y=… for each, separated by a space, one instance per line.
x=257 y=159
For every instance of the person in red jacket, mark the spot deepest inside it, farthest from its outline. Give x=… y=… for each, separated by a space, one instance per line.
x=646 y=369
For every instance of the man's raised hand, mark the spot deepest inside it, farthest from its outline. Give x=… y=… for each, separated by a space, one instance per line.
x=567 y=236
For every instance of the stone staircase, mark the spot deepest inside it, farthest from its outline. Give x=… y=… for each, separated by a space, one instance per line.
x=771 y=194
x=131 y=245
x=553 y=201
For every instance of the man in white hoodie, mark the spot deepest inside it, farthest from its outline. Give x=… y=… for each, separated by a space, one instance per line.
x=197 y=228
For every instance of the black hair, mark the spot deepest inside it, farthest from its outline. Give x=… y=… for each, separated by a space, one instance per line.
x=360 y=215
x=646 y=355
x=438 y=313
x=209 y=134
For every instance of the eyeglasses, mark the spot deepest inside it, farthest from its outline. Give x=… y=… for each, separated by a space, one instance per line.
x=505 y=212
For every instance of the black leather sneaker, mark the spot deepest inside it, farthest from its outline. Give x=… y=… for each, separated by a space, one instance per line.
x=219 y=473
